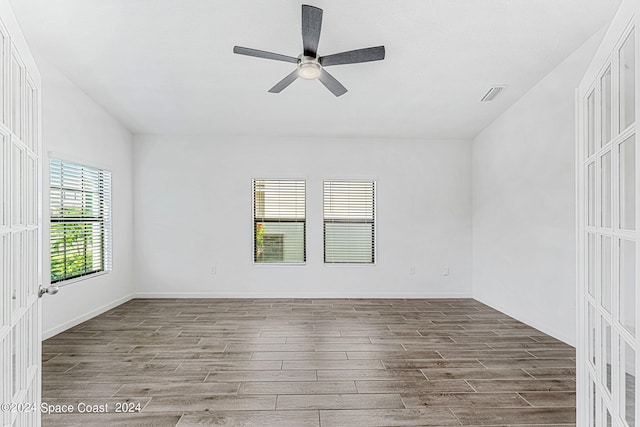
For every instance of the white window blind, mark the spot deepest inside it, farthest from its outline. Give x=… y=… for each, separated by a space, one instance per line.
x=279 y=222
x=349 y=222
x=80 y=210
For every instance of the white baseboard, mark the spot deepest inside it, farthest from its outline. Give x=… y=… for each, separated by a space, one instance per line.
x=534 y=323
x=296 y=295
x=93 y=313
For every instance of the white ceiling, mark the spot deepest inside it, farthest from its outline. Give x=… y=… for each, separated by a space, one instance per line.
x=166 y=66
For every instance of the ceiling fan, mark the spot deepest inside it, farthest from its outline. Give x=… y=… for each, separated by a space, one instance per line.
x=309 y=65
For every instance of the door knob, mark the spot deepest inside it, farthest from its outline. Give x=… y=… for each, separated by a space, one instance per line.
x=51 y=290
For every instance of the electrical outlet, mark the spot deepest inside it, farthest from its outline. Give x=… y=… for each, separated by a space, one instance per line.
x=214 y=269
x=445 y=272
x=412 y=270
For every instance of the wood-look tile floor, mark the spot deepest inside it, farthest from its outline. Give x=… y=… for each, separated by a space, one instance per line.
x=309 y=362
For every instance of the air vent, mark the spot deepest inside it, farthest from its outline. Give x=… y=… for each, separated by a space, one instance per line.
x=493 y=93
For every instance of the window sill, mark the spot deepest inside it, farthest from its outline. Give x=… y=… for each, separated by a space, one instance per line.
x=79 y=279
x=279 y=264
x=349 y=264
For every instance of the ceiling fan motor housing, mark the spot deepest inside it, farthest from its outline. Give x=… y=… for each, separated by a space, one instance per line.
x=308 y=67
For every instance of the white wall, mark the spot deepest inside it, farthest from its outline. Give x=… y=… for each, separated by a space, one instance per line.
x=192 y=209
x=523 y=204
x=193 y=212
x=78 y=129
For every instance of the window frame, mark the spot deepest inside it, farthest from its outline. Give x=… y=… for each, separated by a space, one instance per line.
x=106 y=219
x=374 y=240
x=255 y=221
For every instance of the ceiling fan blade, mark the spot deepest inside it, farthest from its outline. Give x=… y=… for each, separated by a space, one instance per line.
x=311 y=26
x=282 y=84
x=263 y=54
x=353 y=56
x=334 y=86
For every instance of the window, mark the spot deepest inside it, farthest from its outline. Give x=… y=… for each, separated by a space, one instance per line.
x=279 y=222
x=349 y=222
x=80 y=209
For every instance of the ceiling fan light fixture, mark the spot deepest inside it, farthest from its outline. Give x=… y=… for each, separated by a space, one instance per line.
x=309 y=70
